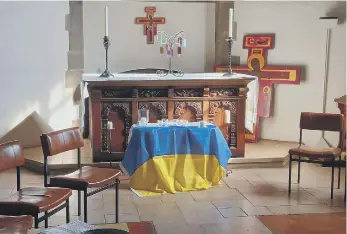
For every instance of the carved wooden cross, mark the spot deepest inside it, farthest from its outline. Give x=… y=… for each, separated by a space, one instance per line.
x=268 y=75
x=150 y=23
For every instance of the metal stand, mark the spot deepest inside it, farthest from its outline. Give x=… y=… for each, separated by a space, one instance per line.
x=230 y=45
x=110 y=144
x=106 y=43
x=326 y=76
x=171 y=43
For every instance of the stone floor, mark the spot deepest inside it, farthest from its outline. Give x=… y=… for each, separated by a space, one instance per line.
x=231 y=207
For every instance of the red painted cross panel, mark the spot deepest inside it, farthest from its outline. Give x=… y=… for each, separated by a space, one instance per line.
x=258 y=46
x=150 y=23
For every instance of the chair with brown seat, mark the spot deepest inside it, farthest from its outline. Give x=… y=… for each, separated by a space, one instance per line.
x=302 y=153
x=85 y=177
x=30 y=201
x=16 y=224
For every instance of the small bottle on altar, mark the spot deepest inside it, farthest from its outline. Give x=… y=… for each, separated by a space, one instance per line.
x=161 y=50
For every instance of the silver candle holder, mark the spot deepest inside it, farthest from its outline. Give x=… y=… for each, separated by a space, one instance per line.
x=167 y=45
x=106 y=73
x=230 y=41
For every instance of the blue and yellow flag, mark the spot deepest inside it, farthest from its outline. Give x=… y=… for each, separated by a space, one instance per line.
x=175 y=158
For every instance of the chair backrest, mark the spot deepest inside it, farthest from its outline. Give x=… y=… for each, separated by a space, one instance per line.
x=57 y=142
x=11 y=155
x=321 y=121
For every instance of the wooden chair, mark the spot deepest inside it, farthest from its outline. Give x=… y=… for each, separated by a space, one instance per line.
x=30 y=201
x=16 y=224
x=85 y=177
x=302 y=153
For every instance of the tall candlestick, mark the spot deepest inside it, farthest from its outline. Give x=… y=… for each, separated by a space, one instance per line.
x=231 y=21
x=106 y=21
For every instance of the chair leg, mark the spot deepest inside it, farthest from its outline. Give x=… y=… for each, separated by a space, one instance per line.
x=339 y=173
x=345 y=187
x=79 y=203
x=299 y=167
x=67 y=209
x=36 y=221
x=46 y=219
x=85 y=206
x=290 y=174
x=117 y=200
x=332 y=179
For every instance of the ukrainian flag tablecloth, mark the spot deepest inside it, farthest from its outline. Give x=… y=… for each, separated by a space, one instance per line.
x=170 y=159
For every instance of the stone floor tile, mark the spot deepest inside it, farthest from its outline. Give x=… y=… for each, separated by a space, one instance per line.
x=124 y=208
x=216 y=228
x=193 y=217
x=223 y=193
x=153 y=200
x=232 y=203
x=304 y=197
x=168 y=217
x=302 y=209
x=249 y=225
x=256 y=210
x=232 y=212
x=122 y=218
x=271 y=199
x=239 y=183
x=162 y=208
x=180 y=197
x=4 y=193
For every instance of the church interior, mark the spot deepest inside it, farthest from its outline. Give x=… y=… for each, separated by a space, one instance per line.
x=160 y=117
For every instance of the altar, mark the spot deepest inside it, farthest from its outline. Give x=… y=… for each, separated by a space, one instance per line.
x=193 y=97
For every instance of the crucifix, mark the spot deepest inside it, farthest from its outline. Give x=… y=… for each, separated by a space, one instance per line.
x=150 y=23
x=257 y=46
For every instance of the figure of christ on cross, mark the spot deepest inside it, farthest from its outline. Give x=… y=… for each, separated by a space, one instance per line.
x=150 y=23
x=268 y=75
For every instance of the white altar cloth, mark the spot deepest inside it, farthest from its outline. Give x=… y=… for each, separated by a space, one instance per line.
x=186 y=76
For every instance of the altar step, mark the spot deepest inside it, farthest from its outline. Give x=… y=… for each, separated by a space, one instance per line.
x=265 y=153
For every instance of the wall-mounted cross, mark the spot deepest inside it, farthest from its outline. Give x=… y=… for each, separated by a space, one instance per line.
x=150 y=23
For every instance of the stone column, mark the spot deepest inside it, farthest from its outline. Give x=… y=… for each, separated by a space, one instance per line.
x=222 y=31
x=73 y=76
x=74 y=25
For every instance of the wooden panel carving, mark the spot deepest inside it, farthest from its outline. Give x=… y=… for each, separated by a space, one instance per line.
x=217 y=106
x=116 y=93
x=151 y=93
x=191 y=111
x=157 y=110
x=228 y=92
x=124 y=109
x=188 y=92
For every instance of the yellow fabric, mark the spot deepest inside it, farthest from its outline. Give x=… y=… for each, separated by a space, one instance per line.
x=177 y=173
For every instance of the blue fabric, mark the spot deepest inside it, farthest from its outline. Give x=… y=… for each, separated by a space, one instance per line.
x=147 y=142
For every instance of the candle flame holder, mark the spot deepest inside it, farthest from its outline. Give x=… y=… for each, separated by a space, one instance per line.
x=230 y=41
x=167 y=44
x=106 y=43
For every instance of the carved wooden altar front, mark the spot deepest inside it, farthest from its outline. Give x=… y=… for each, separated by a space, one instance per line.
x=119 y=102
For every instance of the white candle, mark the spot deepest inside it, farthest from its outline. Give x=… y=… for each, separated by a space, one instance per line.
x=106 y=21
x=109 y=125
x=231 y=21
x=227 y=116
